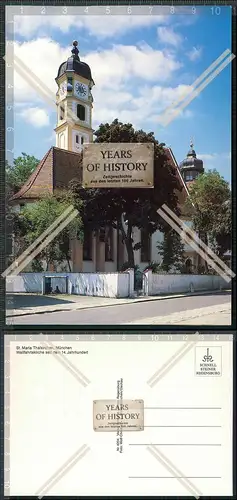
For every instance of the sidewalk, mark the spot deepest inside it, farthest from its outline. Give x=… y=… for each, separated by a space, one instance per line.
x=77 y=302
x=213 y=315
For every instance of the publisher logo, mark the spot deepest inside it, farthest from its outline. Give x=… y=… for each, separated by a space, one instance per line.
x=207 y=358
x=208 y=361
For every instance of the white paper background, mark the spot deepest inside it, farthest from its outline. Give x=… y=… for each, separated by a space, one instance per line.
x=51 y=417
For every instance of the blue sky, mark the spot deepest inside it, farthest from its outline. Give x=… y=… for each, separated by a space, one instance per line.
x=140 y=65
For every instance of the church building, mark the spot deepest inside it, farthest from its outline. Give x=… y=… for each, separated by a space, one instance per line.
x=59 y=166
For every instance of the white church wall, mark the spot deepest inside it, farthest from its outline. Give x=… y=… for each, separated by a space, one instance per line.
x=24 y=283
x=94 y=284
x=90 y=284
x=186 y=283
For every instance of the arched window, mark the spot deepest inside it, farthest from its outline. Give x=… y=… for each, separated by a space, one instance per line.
x=81 y=112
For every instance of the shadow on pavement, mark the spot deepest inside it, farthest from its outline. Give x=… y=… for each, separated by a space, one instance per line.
x=24 y=301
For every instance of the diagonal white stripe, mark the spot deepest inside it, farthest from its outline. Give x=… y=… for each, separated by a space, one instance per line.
x=61 y=358
x=45 y=243
x=195 y=237
x=170 y=363
x=38 y=240
x=198 y=80
x=168 y=119
x=174 y=470
x=35 y=82
x=188 y=240
x=62 y=471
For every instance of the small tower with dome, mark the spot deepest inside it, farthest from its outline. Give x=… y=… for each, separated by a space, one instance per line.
x=191 y=167
x=74 y=103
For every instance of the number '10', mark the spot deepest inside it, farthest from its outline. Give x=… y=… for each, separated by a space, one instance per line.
x=215 y=11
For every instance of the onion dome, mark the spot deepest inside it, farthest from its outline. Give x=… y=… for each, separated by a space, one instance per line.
x=75 y=65
x=191 y=166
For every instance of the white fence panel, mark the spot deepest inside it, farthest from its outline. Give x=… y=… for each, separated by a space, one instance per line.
x=185 y=283
x=90 y=284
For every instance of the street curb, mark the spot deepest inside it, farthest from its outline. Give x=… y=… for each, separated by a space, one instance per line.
x=133 y=301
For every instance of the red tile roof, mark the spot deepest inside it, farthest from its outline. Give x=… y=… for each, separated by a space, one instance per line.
x=57 y=168
x=182 y=195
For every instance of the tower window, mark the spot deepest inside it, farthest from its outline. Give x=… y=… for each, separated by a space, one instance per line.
x=189 y=176
x=81 y=112
x=79 y=140
x=62 y=112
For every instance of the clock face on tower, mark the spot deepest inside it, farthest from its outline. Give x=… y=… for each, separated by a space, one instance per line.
x=81 y=89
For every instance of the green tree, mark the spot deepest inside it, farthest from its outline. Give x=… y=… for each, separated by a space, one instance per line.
x=18 y=173
x=222 y=232
x=172 y=252
x=210 y=199
x=35 y=218
x=127 y=208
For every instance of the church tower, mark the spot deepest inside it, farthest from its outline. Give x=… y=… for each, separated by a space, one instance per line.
x=191 y=166
x=74 y=103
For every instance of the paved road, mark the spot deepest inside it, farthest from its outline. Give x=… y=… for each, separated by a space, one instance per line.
x=124 y=313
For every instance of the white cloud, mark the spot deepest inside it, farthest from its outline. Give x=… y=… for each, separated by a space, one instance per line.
x=131 y=81
x=195 y=53
x=218 y=161
x=37 y=117
x=101 y=26
x=168 y=36
x=214 y=156
x=208 y=157
x=43 y=57
x=124 y=62
x=141 y=110
x=112 y=69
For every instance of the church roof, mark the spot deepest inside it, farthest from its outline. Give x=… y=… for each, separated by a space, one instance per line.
x=74 y=64
x=57 y=168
